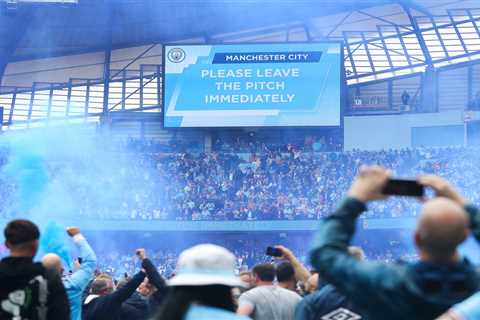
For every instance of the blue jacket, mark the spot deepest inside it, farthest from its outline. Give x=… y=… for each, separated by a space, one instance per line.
x=324 y=303
x=400 y=291
x=76 y=283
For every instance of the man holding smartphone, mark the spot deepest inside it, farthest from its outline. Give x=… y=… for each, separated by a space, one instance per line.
x=421 y=290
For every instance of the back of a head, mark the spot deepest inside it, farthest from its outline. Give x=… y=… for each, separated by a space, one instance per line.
x=442 y=226
x=22 y=236
x=264 y=272
x=102 y=285
x=53 y=262
x=285 y=272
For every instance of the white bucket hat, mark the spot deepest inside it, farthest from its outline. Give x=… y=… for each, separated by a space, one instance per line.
x=206 y=264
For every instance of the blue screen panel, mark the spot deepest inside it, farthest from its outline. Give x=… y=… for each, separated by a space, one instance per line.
x=254 y=85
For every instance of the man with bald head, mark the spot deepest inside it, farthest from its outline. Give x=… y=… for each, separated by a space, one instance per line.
x=420 y=290
x=76 y=283
x=442 y=226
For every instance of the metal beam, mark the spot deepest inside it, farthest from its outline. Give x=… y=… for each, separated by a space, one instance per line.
x=418 y=33
x=384 y=20
x=108 y=57
x=407 y=33
x=335 y=27
x=457 y=31
x=439 y=36
x=415 y=6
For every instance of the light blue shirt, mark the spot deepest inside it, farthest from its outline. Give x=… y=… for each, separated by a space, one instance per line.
x=197 y=312
x=469 y=309
x=76 y=283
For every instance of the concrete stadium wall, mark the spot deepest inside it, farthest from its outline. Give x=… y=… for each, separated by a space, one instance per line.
x=395 y=131
x=56 y=70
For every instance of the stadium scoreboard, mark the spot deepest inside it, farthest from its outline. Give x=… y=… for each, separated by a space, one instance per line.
x=253 y=85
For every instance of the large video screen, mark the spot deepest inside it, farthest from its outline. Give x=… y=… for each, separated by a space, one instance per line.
x=252 y=85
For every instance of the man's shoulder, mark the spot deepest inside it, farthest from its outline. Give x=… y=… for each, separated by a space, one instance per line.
x=20 y=269
x=263 y=291
x=288 y=293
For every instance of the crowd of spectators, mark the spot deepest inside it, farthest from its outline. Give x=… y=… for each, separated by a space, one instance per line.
x=249 y=248
x=208 y=281
x=281 y=183
x=290 y=184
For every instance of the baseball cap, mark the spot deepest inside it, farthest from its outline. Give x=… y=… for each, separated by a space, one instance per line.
x=206 y=264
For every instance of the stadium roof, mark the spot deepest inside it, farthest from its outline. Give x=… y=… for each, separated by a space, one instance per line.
x=38 y=30
x=45 y=29
x=383 y=38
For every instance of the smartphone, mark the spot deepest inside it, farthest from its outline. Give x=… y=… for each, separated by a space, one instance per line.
x=273 y=252
x=80 y=260
x=403 y=187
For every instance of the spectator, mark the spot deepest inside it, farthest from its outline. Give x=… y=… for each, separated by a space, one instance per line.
x=405 y=100
x=246 y=277
x=202 y=286
x=267 y=301
x=28 y=290
x=286 y=276
x=312 y=284
x=300 y=272
x=145 y=301
x=76 y=283
x=328 y=302
x=422 y=290
x=104 y=302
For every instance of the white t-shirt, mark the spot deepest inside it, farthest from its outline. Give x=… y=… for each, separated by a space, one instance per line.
x=271 y=303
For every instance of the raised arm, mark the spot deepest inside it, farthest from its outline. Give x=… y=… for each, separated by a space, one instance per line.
x=120 y=295
x=80 y=278
x=444 y=189
x=330 y=256
x=301 y=273
x=153 y=276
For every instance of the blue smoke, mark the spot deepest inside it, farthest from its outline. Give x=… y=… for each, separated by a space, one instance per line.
x=54 y=239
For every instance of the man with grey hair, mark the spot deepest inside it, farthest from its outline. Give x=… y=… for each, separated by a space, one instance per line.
x=104 y=302
x=421 y=290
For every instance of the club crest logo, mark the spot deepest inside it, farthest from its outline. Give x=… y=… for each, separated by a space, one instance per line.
x=341 y=314
x=176 y=55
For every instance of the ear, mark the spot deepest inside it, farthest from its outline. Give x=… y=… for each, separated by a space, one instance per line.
x=35 y=245
x=7 y=245
x=418 y=239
